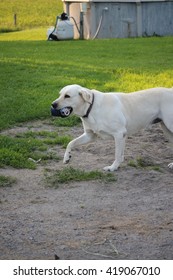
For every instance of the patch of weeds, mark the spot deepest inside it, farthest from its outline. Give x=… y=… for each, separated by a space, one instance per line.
x=25 y=150
x=70 y=174
x=7 y=181
x=43 y=157
x=15 y=152
x=59 y=140
x=47 y=137
x=15 y=159
x=67 y=122
x=132 y=163
x=144 y=163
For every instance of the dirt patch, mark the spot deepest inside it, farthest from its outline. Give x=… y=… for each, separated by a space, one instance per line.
x=131 y=218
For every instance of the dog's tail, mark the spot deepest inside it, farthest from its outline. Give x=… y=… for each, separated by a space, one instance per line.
x=168 y=133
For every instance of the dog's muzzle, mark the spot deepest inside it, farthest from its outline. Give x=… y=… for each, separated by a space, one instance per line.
x=63 y=113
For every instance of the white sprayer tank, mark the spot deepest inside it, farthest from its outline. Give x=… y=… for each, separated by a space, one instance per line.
x=64 y=30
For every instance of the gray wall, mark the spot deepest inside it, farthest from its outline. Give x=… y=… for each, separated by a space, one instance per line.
x=157 y=18
x=118 y=21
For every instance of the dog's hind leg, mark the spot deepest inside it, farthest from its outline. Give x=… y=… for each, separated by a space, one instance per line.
x=85 y=138
x=169 y=133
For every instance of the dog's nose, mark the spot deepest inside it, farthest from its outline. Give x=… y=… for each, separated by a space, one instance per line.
x=54 y=105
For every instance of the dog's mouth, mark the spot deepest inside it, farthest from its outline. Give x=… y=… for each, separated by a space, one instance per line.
x=63 y=113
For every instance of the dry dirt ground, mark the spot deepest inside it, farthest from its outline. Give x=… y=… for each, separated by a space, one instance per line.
x=131 y=218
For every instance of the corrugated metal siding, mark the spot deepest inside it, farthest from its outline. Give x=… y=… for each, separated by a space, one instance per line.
x=118 y=21
x=157 y=19
x=126 y=19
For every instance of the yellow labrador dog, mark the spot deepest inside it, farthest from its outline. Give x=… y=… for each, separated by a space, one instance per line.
x=114 y=115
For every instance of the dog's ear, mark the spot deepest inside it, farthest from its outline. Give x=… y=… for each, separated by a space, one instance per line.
x=86 y=95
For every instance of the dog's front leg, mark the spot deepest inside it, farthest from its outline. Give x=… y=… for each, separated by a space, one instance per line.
x=120 y=139
x=85 y=138
x=170 y=165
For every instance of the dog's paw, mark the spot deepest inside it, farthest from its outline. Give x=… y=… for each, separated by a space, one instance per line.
x=170 y=165
x=67 y=158
x=112 y=167
x=109 y=168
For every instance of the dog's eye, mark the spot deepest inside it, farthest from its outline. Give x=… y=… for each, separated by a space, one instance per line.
x=67 y=96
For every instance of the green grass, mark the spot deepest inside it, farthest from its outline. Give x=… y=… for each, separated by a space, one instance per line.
x=46 y=137
x=32 y=13
x=25 y=150
x=36 y=34
x=16 y=152
x=33 y=72
x=70 y=174
x=144 y=163
x=6 y=181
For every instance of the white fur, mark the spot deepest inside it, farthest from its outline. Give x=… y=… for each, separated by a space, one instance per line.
x=117 y=115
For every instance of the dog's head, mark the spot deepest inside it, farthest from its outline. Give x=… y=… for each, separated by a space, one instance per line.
x=73 y=98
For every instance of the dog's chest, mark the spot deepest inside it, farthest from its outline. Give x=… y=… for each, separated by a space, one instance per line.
x=104 y=135
x=98 y=129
